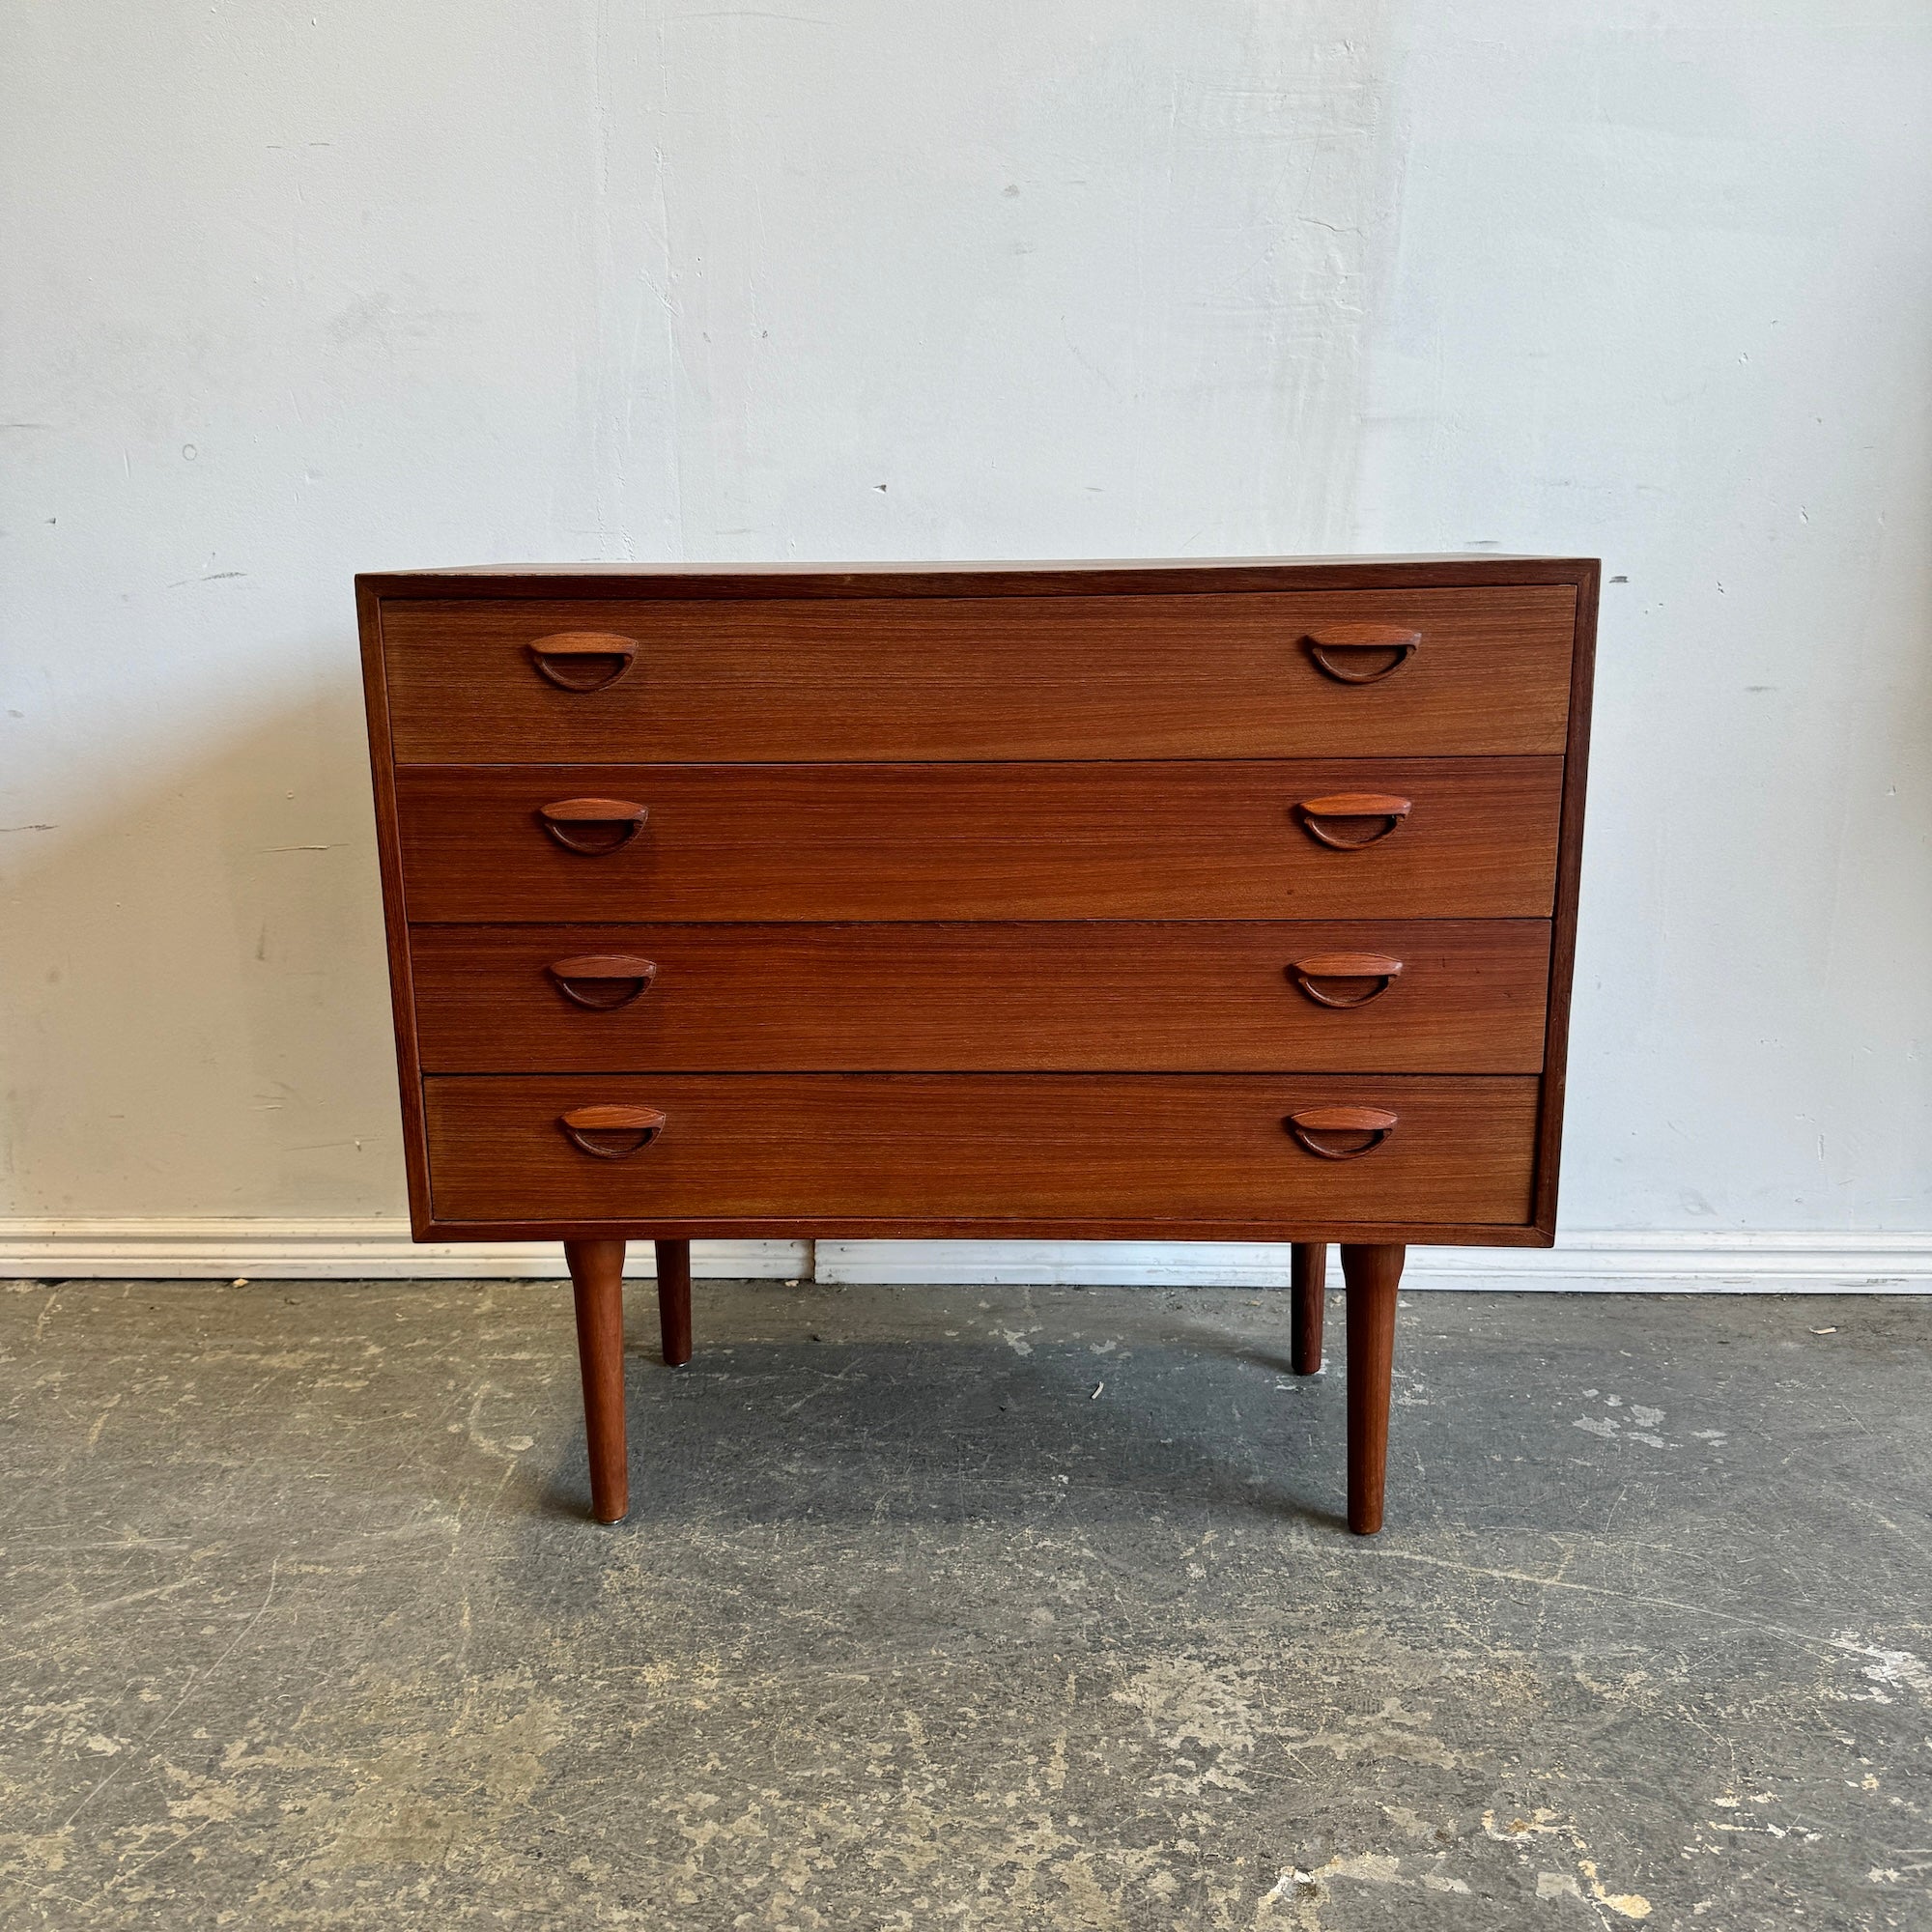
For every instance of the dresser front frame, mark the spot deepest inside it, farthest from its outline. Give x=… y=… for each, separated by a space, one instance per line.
x=1203 y=579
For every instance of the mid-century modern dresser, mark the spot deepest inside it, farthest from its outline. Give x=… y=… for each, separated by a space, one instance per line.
x=1216 y=901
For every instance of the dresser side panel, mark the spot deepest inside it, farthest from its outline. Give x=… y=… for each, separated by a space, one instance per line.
x=1569 y=872
x=395 y=910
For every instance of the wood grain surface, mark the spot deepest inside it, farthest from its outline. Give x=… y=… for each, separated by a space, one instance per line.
x=1088 y=577
x=1374 y=1275
x=1053 y=856
x=1568 y=874
x=1207 y=996
x=1194 y=840
x=1235 y=675
x=990 y=1147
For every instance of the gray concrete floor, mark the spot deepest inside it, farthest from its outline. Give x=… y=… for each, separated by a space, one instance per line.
x=962 y=1608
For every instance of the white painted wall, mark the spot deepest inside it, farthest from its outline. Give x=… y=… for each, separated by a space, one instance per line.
x=293 y=291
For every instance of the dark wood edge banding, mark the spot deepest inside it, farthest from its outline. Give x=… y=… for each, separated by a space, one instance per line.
x=395 y=910
x=1200 y=576
x=833 y=1228
x=1563 y=935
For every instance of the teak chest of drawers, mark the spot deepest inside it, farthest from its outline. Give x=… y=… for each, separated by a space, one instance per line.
x=1226 y=901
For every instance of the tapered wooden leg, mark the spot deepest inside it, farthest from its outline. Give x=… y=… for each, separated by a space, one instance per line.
x=1311 y=1287
x=597 y=1274
x=674 y=1301
x=1372 y=1274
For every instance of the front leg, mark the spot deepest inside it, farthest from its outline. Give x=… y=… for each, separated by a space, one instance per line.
x=597 y=1275
x=1372 y=1274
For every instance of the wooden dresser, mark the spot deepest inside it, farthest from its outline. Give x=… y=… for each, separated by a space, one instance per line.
x=1229 y=902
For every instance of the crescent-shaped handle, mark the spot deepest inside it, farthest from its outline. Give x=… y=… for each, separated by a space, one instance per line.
x=1362 y=653
x=601 y=981
x=1341 y=1133
x=1348 y=820
x=582 y=661
x=612 y=1132
x=618 y=821
x=1325 y=978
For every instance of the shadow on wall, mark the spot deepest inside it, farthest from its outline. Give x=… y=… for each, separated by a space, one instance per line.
x=198 y=1006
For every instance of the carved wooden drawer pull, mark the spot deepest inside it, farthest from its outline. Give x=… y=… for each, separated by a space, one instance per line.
x=1362 y=653
x=615 y=822
x=601 y=981
x=612 y=1132
x=582 y=661
x=1341 y=1133
x=1348 y=820
x=1343 y=978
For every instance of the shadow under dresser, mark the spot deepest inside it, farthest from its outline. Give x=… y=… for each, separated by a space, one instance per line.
x=1180 y=901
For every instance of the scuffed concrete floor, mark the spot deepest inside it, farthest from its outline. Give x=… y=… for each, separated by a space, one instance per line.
x=960 y=1608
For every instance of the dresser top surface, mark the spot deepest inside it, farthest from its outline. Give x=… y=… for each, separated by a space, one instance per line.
x=1013 y=577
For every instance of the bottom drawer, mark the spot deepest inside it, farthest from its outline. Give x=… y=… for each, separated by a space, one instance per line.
x=1130 y=1149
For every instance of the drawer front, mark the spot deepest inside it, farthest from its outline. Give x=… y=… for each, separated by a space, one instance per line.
x=772 y=679
x=985 y=1147
x=1472 y=837
x=1429 y=996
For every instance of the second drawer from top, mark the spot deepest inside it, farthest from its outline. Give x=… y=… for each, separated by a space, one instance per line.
x=1286 y=839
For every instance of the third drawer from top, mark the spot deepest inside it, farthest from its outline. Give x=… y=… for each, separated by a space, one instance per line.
x=1421 y=996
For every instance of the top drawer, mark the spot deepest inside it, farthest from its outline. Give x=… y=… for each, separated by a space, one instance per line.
x=1215 y=674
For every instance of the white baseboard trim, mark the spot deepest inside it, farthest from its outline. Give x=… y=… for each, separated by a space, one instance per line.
x=324 y=1250
x=351 y=1250
x=1652 y=1264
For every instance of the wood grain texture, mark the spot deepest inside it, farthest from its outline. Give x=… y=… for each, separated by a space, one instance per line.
x=1143 y=1225
x=716 y=584
x=1121 y=841
x=987 y=1147
x=597 y=1284
x=771 y=680
x=1059 y=578
x=395 y=912
x=1133 y=776
x=1568 y=881
x=1373 y=1274
x=674 y=1301
x=1207 y=996
x=1309 y=1283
